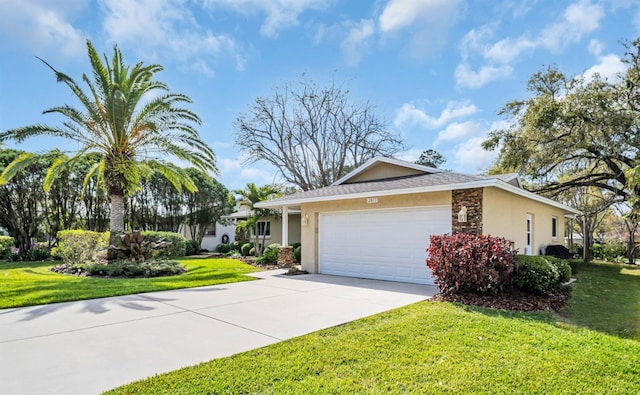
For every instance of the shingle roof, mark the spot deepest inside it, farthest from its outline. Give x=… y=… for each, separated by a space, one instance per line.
x=431 y=180
x=395 y=184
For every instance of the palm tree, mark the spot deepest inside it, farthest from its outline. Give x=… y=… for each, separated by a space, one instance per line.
x=250 y=196
x=132 y=122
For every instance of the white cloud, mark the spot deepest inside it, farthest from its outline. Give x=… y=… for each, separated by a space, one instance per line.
x=470 y=157
x=280 y=14
x=355 y=42
x=466 y=77
x=166 y=29
x=596 y=47
x=409 y=115
x=458 y=130
x=43 y=26
x=410 y=155
x=608 y=67
x=429 y=22
x=579 y=19
x=399 y=14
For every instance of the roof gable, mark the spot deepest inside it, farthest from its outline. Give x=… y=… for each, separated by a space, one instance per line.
x=387 y=183
x=380 y=168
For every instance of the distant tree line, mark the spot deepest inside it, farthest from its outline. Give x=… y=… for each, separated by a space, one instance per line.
x=75 y=201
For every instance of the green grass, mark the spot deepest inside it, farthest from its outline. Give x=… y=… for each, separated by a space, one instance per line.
x=31 y=283
x=434 y=347
x=425 y=348
x=606 y=298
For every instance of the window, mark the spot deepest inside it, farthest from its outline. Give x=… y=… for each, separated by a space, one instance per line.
x=264 y=228
x=211 y=230
x=554 y=228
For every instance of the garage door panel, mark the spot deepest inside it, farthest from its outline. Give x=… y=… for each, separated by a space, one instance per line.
x=380 y=244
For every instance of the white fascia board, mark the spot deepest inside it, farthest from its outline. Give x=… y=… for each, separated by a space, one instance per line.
x=434 y=188
x=390 y=192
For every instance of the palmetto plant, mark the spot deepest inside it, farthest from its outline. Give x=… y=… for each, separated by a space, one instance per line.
x=132 y=122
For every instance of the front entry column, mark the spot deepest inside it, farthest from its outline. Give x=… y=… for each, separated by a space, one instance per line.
x=285 y=226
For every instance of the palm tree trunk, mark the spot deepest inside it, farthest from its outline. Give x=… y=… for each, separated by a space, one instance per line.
x=116 y=225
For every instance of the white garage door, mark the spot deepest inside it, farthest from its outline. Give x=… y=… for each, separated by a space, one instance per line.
x=380 y=244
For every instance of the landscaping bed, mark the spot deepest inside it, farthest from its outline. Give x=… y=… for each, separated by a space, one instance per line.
x=514 y=299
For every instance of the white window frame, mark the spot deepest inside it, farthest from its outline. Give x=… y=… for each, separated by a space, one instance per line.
x=211 y=232
x=529 y=235
x=263 y=225
x=554 y=228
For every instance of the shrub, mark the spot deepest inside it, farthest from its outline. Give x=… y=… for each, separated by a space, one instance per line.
x=6 y=242
x=39 y=253
x=78 y=246
x=295 y=245
x=236 y=245
x=192 y=247
x=252 y=251
x=245 y=250
x=535 y=274
x=463 y=263
x=177 y=244
x=611 y=252
x=133 y=269
x=563 y=267
x=297 y=253
x=270 y=255
x=574 y=263
x=223 y=248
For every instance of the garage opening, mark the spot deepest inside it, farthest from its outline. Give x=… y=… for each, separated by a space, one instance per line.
x=380 y=244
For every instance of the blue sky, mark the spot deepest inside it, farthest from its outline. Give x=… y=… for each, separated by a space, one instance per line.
x=437 y=71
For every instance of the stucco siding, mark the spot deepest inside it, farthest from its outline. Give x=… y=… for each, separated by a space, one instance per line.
x=276 y=230
x=310 y=211
x=381 y=171
x=505 y=215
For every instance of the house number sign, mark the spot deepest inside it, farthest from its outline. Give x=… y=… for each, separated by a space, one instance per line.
x=372 y=200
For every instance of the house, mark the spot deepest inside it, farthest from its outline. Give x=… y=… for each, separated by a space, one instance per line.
x=376 y=221
x=214 y=234
x=271 y=227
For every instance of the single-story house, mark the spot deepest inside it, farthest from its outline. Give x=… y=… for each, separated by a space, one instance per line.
x=271 y=227
x=376 y=221
x=213 y=235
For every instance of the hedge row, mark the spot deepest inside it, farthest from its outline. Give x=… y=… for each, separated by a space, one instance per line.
x=483 y=264
x=80 y=246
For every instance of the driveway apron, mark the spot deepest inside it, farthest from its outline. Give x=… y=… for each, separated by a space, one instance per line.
x=87 y=347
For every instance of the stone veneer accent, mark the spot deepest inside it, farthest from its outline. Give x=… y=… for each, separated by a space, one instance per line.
x=285 y=256
x=472 y=199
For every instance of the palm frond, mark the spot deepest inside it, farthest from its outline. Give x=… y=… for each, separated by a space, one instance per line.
x=23 y=161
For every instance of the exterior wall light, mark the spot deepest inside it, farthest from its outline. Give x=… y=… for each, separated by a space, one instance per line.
x=462 y=214
x=305 y=220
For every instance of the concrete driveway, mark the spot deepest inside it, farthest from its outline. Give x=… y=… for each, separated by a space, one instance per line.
x=91 y=346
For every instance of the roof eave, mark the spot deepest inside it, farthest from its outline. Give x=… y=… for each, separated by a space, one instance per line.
x=434 y=188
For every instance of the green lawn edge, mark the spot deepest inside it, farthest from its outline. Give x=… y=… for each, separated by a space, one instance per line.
x=424 y=348
x=441 y=348
x=32 y=283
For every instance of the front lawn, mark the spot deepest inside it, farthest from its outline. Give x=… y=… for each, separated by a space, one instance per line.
x=31 y=283
x=425 y=348
x=438 y=347
x=606 y=298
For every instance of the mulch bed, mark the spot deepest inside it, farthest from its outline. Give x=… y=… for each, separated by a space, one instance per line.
x=514 y=299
